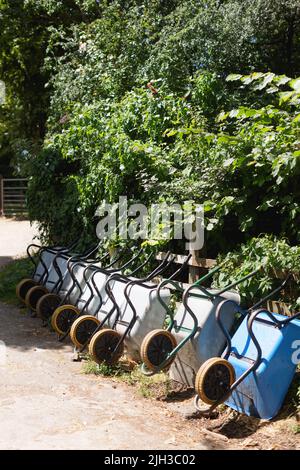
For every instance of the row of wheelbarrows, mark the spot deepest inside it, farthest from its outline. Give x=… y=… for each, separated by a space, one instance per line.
x=244 y=358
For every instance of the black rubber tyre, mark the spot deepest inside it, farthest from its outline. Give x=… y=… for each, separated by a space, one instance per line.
x=155 y=348
x=102 y=347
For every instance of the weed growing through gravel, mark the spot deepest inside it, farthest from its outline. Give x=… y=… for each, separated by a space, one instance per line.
x=155 y=386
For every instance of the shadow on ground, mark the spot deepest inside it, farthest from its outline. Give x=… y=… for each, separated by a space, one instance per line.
x=20 y=331
x=239 y=427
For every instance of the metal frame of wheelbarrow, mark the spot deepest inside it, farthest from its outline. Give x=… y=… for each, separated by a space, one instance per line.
x=69 y=256
x=92 y=267
x=89 y=273
x=252 y=313
x=59 y=278
x=191 y=332
x=56 y=290
x=49 y=249
x=142 y=283
x=163 y=266
x=37 y=277
x=111 y=273
x=72 y=262
x=57 y=253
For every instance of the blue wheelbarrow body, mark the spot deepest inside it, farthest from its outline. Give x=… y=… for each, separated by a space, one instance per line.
x=262 y=392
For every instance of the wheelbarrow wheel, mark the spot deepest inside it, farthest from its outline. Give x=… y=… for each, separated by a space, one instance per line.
x=83 y=329
x=33 y=296
x=155 y=348
x=103 y=345
x=46 y=305
x=214 y=379
x=63 y=318
x=23 y=287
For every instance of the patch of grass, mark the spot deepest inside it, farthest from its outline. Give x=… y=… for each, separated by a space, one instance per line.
x=149 y=387
x=296 y=428
x=10 y=275
x=90 y=367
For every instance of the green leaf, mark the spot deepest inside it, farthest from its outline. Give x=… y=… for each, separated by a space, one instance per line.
x=268 y=77
x=256 y=75
x=170 y=133
x=234 y=77
x=208 y=206
x=285 y=96
x=281 y=80
x=222 y=116
x=228 y=162
x=247 y=79
x=272 y=89
x=295 y=84
x=234 y=113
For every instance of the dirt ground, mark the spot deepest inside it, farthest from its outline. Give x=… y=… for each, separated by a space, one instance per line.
x=47 y=402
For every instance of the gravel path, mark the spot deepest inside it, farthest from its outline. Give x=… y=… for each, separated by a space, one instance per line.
x=47 y=403
x=15 y=236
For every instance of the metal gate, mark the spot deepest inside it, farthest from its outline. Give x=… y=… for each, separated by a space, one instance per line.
x=13 y=196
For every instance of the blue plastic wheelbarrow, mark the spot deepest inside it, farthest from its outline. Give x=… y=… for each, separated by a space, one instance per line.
x=257 y=367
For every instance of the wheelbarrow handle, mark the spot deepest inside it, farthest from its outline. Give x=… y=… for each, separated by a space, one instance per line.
x=104 y=270
x=90 y=251
x=125 y=278
x=141 y=282
x=142 y=265
x=218 y=313
x=128 y=263
x=44 y=277
x=131 y=282
x=77 y=257
x=91 y=266
x=181 y=268
x=179 y=288
x=209 y=274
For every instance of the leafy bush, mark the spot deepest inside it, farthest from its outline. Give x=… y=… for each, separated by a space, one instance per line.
x=130 y=97
x=276 y=258
x=244 y=167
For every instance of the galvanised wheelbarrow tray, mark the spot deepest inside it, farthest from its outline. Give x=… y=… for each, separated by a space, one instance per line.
x=117 y=315
x=69 y=283
x=108 y=298
x=45 y=256
x=192 y=335
x=54 y=276
x=45 y=269
x=84 y=295
x=137 y=311
x=257 y=367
